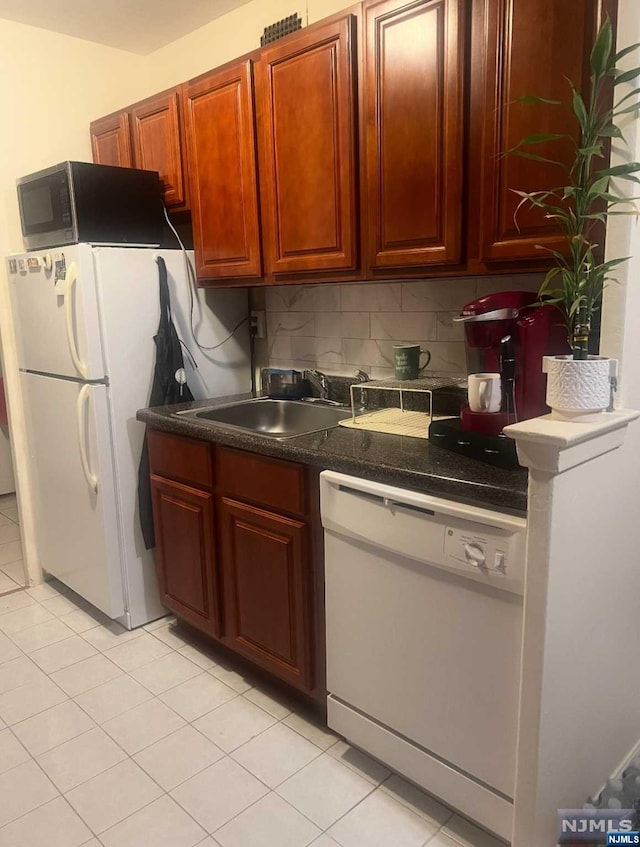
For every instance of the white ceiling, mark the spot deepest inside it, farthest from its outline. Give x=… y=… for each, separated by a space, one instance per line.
x=140 y=26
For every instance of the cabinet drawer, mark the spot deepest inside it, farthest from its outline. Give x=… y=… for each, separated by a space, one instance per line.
x=258 y=479
x=180 y=458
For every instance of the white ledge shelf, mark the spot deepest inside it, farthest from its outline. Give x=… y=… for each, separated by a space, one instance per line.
x=554 y=446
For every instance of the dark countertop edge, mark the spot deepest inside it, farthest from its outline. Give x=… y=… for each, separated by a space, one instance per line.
x=461 y=490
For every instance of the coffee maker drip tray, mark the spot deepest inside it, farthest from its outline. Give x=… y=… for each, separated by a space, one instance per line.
x=497 y=450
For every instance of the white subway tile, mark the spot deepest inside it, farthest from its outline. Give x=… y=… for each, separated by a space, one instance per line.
x=437 y=295
x=342 y=325
x=367 y=354
x=280 y=347
x=290 y=323
x=317 y=350
x=447 y=328
x=447 y=357
x=377 y=297
x=303 y=298
x=401 y=326
x=509 y=282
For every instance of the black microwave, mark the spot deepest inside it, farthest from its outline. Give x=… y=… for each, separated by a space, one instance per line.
x=77 y=202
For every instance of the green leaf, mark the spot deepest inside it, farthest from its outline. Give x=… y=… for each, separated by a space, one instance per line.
x=614 y=199
x=621 y=170
x=625 y=52
x=611 y=131
x=539 y=138
x=594 y=150
x=599 y=186
x=612 y=263
x=627 y=96
x=628 y=110
x=627 y=76
x=548 y=278
x=601 y=50
x=578 y=107
x=540 y=204
x=532 y=98
x=534 y=157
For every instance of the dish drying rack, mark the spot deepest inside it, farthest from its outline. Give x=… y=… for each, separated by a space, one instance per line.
x=398 y=420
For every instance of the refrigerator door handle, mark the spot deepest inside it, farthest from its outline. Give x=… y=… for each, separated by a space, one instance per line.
x=71 y=279
x=83 y=401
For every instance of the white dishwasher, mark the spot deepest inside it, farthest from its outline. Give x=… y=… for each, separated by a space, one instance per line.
x=424 y=633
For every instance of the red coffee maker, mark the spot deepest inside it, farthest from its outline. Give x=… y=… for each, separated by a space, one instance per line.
x=505 y=333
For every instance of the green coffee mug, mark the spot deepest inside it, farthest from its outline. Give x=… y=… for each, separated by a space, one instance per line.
x=406 y=360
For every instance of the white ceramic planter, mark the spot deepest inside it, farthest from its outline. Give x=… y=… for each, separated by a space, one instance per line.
x=577 y=390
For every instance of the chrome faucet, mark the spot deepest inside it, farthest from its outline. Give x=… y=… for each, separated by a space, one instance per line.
x=319 y=381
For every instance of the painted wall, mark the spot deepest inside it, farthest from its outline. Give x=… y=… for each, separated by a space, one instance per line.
x=51 y=87
x=228 y=37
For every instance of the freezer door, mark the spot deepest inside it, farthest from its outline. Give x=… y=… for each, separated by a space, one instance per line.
x=57 y=323
x=77 y=527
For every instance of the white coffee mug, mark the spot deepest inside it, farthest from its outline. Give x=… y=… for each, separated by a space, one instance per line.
x=485 y=392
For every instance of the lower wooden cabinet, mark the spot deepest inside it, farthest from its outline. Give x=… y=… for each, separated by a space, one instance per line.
x=185 y=552
x=265 y=561
x=238 y=554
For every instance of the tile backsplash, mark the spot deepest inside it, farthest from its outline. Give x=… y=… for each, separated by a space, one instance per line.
x=340 y=328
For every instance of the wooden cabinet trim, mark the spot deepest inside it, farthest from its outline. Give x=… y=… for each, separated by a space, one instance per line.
x=499 y=238
x=190 y=590
x=226 y=227
x=113 y=130
x=279 y=141
x=435 y=206
x=163 y=109
x=272 y=483
x=254 y=625
x=188 y=460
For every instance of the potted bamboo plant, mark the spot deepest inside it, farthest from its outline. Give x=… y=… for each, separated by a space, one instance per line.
x=580 y=385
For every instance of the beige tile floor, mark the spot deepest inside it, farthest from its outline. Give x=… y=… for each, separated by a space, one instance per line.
x=11 y=565
x=141 y=739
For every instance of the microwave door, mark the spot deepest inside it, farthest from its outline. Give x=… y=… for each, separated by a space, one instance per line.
x=46 y=211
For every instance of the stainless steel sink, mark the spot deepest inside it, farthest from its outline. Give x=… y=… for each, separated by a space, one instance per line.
x=275 y=418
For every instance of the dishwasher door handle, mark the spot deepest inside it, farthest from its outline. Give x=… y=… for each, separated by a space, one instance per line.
x=389 y=502
x=398 y=504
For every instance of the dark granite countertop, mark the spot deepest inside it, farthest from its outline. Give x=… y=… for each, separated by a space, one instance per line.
x=396 y=460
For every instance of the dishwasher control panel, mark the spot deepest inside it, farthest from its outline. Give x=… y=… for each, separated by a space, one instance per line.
x=478 y=550
x=475 y=543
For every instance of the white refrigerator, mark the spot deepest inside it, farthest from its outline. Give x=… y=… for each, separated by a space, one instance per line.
x=85 y=318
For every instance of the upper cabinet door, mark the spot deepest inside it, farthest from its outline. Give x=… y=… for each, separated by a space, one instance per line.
x=413 y=135
x=522 y=47
x=155 y=129
x=220 y=131
x=306 y=122
x=111 y=140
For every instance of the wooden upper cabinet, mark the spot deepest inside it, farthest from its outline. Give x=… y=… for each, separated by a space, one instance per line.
x=522 y=47
x=413 y=132
x=155 y=130
x=306 y=122
x=266 y=567
x=111 y=140
x=220 y=132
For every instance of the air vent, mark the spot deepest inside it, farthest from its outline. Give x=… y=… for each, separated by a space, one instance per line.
x=279 y=29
